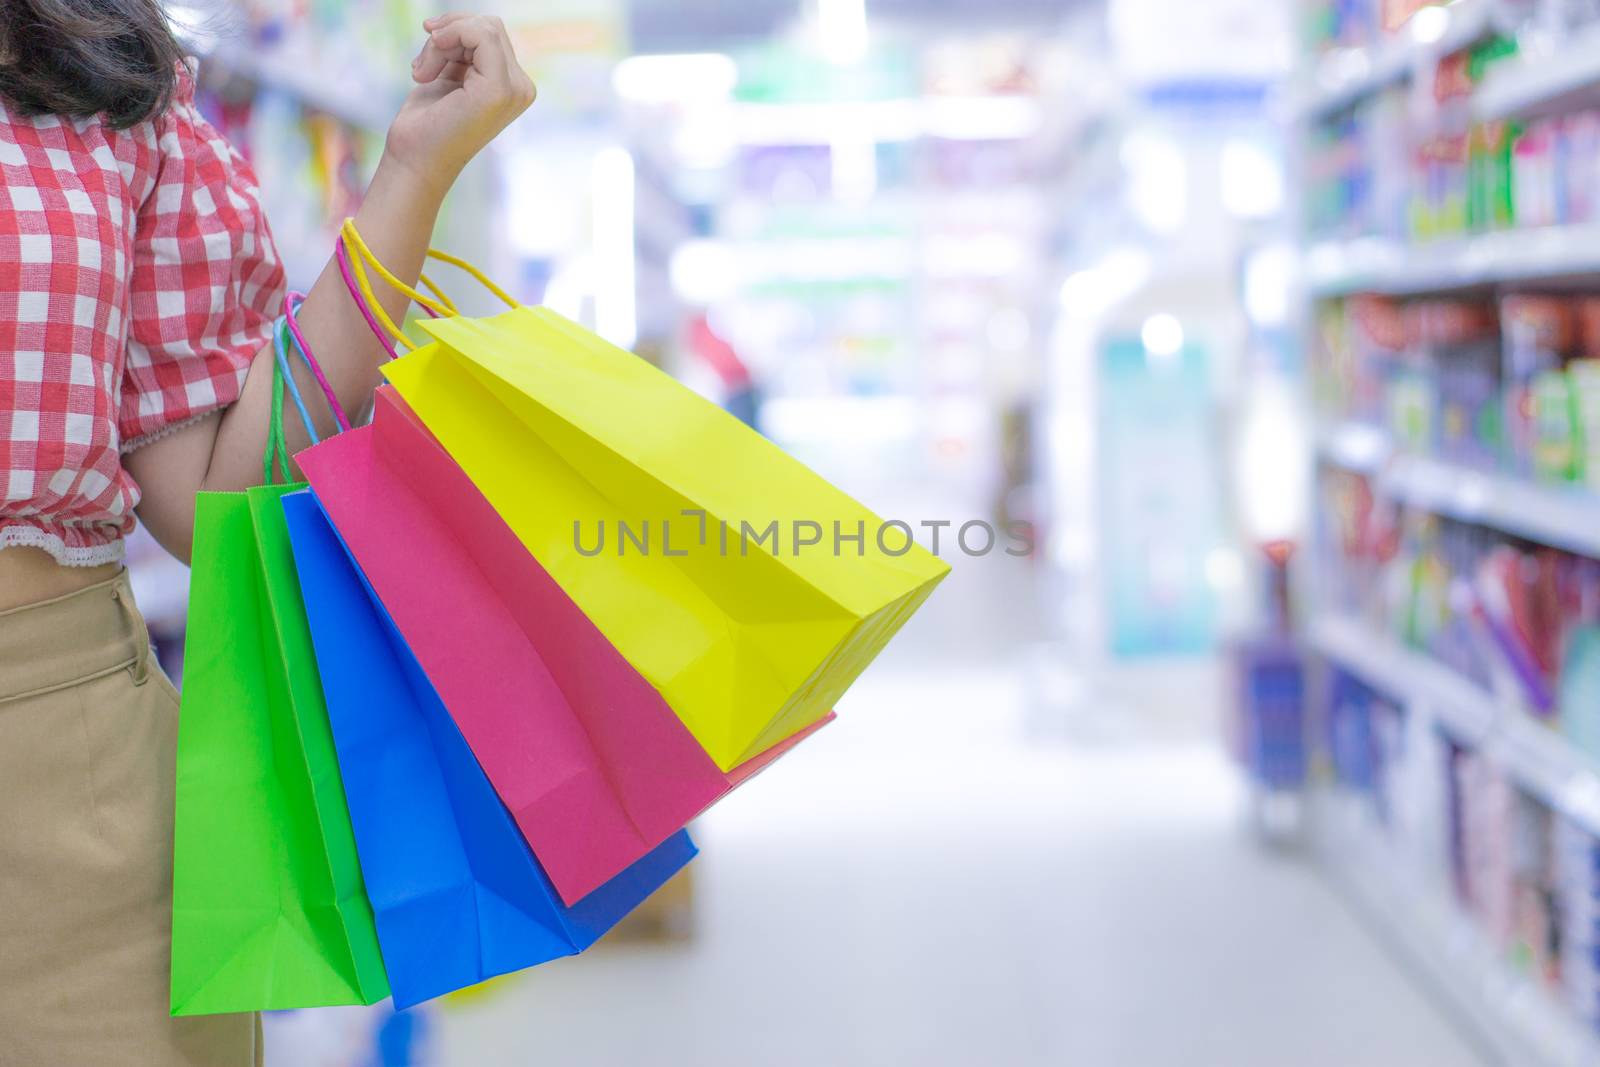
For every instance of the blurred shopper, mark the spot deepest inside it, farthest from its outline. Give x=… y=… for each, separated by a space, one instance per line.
x=740 y=396
x=138 y=287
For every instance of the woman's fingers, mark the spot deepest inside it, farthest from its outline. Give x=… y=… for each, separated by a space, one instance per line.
x=434 y=22
x=436 y=54
x=458 y=43
x=478 y=37
x=433 y=60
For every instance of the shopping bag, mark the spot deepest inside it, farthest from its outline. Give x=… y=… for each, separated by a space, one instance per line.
x=457 y=895
x=268 y=908
x=744 y=587
x=594 y=767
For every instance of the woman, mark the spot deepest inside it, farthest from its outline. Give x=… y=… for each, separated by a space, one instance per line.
x=138 y=288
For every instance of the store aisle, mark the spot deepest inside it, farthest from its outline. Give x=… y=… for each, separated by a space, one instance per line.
x=925 y=884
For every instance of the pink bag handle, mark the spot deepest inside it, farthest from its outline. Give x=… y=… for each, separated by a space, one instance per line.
x=342 y=257
x=291 y=304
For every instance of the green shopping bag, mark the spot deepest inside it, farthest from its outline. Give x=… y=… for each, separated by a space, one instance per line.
x=268 y=906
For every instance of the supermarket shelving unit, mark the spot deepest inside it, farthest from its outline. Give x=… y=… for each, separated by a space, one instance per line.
x=1348 y=74
x=1538 y=759
x=1527 y=87
x=1562 y=516
x=1519 y=1022
x=1533 y=86
x=1530 y=86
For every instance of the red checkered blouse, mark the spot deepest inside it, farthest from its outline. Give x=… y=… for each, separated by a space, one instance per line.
x=137 y=280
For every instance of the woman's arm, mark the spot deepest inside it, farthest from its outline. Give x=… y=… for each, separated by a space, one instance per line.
x=470 y=87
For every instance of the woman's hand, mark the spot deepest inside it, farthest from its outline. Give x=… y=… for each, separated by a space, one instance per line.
x=469 y=88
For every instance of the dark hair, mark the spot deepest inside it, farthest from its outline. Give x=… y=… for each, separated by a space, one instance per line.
x=118 y=58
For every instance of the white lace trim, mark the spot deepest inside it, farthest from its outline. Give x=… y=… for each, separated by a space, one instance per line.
x=140 y=442
x=60 y=551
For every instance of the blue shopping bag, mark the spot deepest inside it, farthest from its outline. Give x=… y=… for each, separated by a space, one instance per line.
x=457 y=894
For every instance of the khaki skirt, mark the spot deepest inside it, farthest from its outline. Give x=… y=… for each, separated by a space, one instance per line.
x=88 y=737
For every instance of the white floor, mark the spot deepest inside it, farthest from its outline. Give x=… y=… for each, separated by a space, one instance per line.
x=933 y=881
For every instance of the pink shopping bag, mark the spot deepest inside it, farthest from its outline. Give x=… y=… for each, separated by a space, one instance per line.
x=592 y=763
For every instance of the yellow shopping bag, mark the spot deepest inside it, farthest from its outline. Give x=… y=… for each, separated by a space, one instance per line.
x=749 y=591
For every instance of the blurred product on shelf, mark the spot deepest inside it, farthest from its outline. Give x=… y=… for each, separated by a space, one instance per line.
x=1505 y=857
x=1479 y=798
x=1417 y=162
x=1579 y=687
x=1359 y=23
x=1539 y=336
x=1511 y=386
x=1454 y=377
x=1356 y=172
x=1503 y=865
x=1355 y=740
x=1504 y=614
x=1534 y=922
x=1577 y=886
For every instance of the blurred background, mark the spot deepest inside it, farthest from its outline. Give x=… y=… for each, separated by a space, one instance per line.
x=1275 y=325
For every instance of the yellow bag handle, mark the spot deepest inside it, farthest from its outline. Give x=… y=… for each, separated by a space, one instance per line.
x=436 y=291
x=443 y=307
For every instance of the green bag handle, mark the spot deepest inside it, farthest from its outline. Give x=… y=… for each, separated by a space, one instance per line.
x=277 y=447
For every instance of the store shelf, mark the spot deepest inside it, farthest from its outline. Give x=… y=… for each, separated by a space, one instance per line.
x=1567 y=518
x=1540 y=759
x=1346 y=75
x=1391 y=268
x=1562 y=516
x=1542 y=84
x=1464 y=709
x=1354 y=446
x=1516 y=1020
